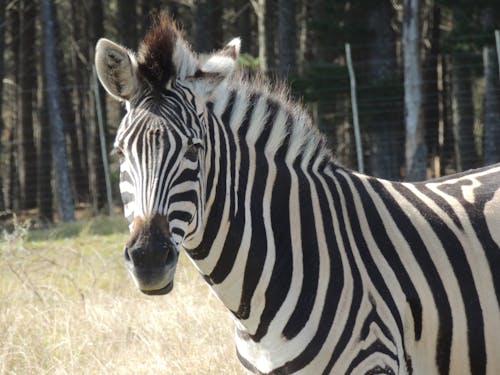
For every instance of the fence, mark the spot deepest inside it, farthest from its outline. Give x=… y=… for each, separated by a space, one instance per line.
x=327 y=92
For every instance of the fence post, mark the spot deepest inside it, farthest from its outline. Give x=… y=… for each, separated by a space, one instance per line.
x=102 y=138
x=497 y=39
x=354 y=103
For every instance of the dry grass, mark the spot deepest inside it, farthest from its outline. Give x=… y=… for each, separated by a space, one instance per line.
x=68 y=307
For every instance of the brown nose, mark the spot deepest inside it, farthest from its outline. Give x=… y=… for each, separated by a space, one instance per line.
x=150 y=246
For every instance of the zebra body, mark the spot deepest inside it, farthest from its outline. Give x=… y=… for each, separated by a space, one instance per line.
x=324 y=270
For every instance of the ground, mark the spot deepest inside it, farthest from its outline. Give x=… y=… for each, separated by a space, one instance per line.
x=67 y=306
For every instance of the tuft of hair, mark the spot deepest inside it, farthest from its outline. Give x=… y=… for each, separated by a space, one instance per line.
x=155 y=53
x=305 y=137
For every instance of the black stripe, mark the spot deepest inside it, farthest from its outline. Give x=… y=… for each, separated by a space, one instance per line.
x=310 y=257
x=334 y=289
x=391 y=255
x=210 y=141
x=440 y=202
x=179 y=215
x=368 y=261
x=378 y=348
x=237 y=224
x=429 y=270
x=258 y=242
x=281 y=275
x=463 y=273
x=217 y=209
x=357 y=288
x=490 y=184
x=374 y=318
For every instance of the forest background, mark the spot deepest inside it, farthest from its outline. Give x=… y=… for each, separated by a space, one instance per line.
x=427 y=85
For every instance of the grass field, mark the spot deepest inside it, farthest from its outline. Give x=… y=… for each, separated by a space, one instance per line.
x=67 y=306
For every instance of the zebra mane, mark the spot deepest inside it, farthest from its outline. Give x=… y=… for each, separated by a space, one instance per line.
x=164 y=53
x=305 y=137
x=154 y=57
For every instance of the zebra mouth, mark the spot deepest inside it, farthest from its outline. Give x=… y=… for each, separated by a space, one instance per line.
x=153 y=282
x=160 y=292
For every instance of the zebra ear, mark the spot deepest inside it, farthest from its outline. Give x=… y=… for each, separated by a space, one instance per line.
x=218 y=66
x=223 y=62
x=117 y=69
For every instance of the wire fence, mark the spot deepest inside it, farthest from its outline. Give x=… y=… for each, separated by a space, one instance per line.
x=453 y=113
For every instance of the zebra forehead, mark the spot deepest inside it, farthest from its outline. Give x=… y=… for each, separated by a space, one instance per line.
x=140 y=123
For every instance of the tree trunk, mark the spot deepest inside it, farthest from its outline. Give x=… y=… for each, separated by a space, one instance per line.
x=491 y=131
x=63 y=187
x=96 y=169
x=44 y=165
x=287 y=33
x=13 y=195
x=207 y=26
x=265 y=28
x=2 y=74
x=82 y=118
x=271 y=34
x=27 y=82
x=242 y=24
x=415 y=153
x=304 y=53
x=463 y=113
x=265 y=34
x=431 y=89
x=261 y=26
x=385 y=129
x=69 y=116
x=447 y=152
x=318 y=10
x=127 y=23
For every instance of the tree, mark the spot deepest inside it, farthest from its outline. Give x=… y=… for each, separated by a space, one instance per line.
x=27 y=84
x=265 y=17
x=207 y=27
x=383 y=124
x=97 y=182
x=415 y=153
x=431 y=94
x=63 y=187
x=2 y=74
x=462 y=79
x=44 y=164
x=79 y=68
x=12 y=184
x=65 y=73
x=127 y=23
x=491 y=131
x=287 y=30
x=463 y=111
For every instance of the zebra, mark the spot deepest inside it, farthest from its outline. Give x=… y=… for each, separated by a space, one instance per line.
x=324 y=270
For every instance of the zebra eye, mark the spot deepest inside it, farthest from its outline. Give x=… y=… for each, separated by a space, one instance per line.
x=192 y=150
x=117 y=151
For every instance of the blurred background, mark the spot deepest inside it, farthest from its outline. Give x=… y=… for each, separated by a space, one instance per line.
x=424 y=86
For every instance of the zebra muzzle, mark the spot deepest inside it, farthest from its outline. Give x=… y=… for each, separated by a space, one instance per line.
x=151 y=256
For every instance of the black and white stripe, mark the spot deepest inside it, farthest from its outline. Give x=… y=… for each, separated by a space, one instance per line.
x=324 y=270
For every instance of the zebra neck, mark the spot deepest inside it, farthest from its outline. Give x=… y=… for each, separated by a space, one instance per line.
x=261 y=155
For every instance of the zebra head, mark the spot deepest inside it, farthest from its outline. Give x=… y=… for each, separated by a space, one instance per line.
x=161 y=143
